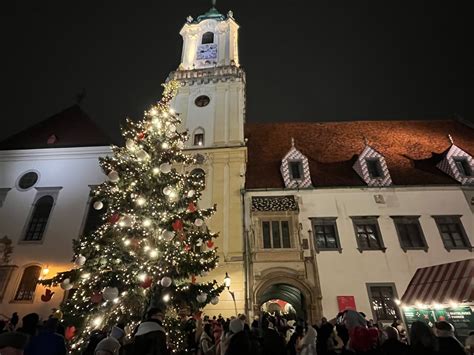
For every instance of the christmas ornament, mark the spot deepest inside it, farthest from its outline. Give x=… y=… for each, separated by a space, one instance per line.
x=141 y=135
x=147 y=282
x=191 y=193
x=114 y=218
x=98 y=205
x=202 y=297
x=70 y=332
x=166 y=281
x=177 y=225
x=165 y=168
x=191 y=207
x=125 y=221
x=142 y=155
x=214 y=300
x=199 y=242
x=210 y=244
x=187 y=248
x=96 y=297
x=66 y=284
x=180 y=145
x=130 y=144
x=79 y=261
x=110 y=293
x=198 y=222
x=48 y=294
x=172 y=128
x=166 y=190
x=168 y=235
x=113 y=176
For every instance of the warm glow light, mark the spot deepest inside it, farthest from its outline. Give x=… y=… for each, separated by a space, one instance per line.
x=141 y=201
x=153 y=112
x=85 y=276
x=165 y=145
x=142 y=277
x=156 y=171
x=45 y=271
x=97 y=321
x=438 y=306
x=453 y=304
x=166 y=298
x=172 y=111
x=147 y=223
x=154 y=253
x=398 y=302
x=127 y=242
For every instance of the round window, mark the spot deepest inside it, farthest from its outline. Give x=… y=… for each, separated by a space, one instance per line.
x=202 y=101
x=28 y=180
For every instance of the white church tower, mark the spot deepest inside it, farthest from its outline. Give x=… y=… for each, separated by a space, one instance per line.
x=211 y=104
x=212 y=99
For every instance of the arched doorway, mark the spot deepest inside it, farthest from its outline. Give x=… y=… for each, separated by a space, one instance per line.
x=286 y=300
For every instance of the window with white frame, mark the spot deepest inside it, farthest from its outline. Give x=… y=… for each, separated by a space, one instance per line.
x=325 y=234
x=368 y=234
x=276 y=234
x=382 y=301
x=26 y=288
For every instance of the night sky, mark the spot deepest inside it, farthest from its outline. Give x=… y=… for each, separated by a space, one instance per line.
x=305 y=60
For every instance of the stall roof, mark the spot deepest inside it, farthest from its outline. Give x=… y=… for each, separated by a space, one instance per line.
x=442 y=284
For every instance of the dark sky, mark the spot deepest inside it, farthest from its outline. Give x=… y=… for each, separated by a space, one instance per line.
x=305 y=60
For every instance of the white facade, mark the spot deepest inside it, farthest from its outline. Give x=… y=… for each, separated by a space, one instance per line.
x=347 y=272
x=66 y=174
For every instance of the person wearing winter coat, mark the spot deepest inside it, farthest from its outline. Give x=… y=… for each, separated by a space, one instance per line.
x=447 y=342
x=422 y=339
x=206 y=343
x=150 y=338
x=273 y=342
x=110 y=345
x=48 y=341
x=307 y=345
x=392 y=345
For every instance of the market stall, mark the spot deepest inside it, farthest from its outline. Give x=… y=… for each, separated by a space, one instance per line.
x=442 y=292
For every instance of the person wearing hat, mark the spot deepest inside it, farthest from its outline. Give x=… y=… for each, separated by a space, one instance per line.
x=110 y=345
x=150 y=337
x=12 y=343
x=447 y=342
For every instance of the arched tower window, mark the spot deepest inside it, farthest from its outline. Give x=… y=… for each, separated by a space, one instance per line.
x=198 y=137
x=27 y=287
x=207 y=38
x=39 y=219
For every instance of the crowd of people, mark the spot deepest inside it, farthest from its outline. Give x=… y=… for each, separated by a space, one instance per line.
x=348 y=334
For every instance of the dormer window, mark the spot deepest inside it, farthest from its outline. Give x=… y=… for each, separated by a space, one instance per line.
x=462 y=164
x=296 y=170
x=207 y=38
x=374 y=168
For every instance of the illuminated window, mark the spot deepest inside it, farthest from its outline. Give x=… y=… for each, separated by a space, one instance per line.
x=382 y=302
x=368 y=233
x=276 y=234
x=39 y=218
x=199 y=139
x=207 y=38
x=27 y=287
x=325 y=234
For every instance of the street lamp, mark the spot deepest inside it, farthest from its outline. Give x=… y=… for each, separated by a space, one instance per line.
x=227 y=281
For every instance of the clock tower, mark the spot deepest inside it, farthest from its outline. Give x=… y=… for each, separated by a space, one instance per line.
x=211 y=104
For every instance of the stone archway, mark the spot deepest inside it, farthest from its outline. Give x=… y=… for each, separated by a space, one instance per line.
x=311 y=306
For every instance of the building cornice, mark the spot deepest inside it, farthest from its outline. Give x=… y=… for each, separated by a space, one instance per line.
x=54 y=153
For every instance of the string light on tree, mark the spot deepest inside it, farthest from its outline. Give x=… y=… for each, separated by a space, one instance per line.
x=143 y=252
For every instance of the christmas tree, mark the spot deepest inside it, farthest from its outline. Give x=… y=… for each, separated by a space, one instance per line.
x=153 y=243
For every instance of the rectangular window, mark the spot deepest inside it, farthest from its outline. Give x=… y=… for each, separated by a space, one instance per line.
x=382 y=301
x=325 y=234
x=276 y=234
x=374 y=168
x=410 y=233
x=94 y=218
x=296 y=170
x=462 y=164
x=368 y=233
x=5 y=275
x=452 y=232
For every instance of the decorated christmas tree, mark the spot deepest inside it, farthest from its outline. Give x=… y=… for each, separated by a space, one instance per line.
x=153 y=244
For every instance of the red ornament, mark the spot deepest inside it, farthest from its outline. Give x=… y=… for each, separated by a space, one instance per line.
x=191 y=207
x=141 y=136
x=48 y=294
x=187 y=247
x=193 y=279
x=210 y=244
x=147 y=283
x=178 y=225
x=70 y=332
x=114 y=218
x=96 y=297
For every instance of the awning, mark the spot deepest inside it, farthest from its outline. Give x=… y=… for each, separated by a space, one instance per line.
x=442 y=284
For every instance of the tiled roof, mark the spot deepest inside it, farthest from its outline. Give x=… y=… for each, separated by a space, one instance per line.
x=411 y=149
x=69 y=128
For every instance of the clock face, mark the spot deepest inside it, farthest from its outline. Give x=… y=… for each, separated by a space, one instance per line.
x=207 y=51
